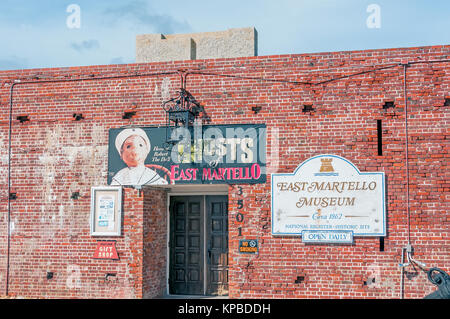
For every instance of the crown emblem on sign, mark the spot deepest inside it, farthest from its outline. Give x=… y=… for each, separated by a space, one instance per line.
x=326 y=165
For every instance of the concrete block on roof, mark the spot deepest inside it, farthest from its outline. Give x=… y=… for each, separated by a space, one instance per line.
x=232 y=43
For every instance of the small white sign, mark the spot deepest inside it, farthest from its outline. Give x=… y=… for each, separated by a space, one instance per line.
x=106 y=211
x=328 y=192
x=325 y=236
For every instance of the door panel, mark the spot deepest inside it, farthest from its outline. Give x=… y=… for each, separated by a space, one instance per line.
x=186 y=246
x=217 y=239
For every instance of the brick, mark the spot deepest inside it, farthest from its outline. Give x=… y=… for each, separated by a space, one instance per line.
x=53 y=156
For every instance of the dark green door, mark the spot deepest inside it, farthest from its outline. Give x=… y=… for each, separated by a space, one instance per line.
x=198 y=262
x=217 y=245
x=186 y=246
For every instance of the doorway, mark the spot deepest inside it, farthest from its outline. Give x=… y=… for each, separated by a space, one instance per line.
x=198 y=244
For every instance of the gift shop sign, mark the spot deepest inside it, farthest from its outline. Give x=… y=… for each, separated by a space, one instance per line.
x=106 y=250
x=328 y=192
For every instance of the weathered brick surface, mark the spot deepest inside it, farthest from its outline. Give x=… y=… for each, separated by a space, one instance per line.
x=53 y=156
x=155 y=243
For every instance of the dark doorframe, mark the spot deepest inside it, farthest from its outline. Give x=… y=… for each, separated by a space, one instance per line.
x=198 y=245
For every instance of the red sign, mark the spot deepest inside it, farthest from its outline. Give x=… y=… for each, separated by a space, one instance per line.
x=106 y=250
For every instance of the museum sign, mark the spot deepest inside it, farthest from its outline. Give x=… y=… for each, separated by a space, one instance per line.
x=328 y=193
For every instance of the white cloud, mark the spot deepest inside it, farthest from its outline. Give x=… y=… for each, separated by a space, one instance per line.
x=85 y=45
x=137 y=13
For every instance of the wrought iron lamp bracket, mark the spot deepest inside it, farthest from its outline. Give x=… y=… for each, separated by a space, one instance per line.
x=181 y=111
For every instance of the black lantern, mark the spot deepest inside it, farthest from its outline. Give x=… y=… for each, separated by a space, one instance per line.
x=181 y=111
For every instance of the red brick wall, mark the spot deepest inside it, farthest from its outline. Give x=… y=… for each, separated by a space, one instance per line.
x=155 y=243
x=53 y=156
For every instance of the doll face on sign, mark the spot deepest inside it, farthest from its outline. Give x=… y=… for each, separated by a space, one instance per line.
x=134 y=151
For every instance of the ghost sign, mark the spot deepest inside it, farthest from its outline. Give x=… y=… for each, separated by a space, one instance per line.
x=206 y=154
x=328 y=193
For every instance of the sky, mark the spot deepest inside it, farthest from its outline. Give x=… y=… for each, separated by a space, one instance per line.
x=60 y=33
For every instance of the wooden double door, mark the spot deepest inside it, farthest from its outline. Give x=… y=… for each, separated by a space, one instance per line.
x=198 y=245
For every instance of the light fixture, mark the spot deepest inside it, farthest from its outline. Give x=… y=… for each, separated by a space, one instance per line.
x=447 y=101
x=388 y=104
x=256 y=109
x=181 y=111
x=300 y=279
x=23 y=118
x=75 y=195
x=128 y=115
x=78 y=116
x=308 y=108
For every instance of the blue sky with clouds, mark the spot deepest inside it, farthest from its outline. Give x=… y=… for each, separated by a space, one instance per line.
x=35 y=33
